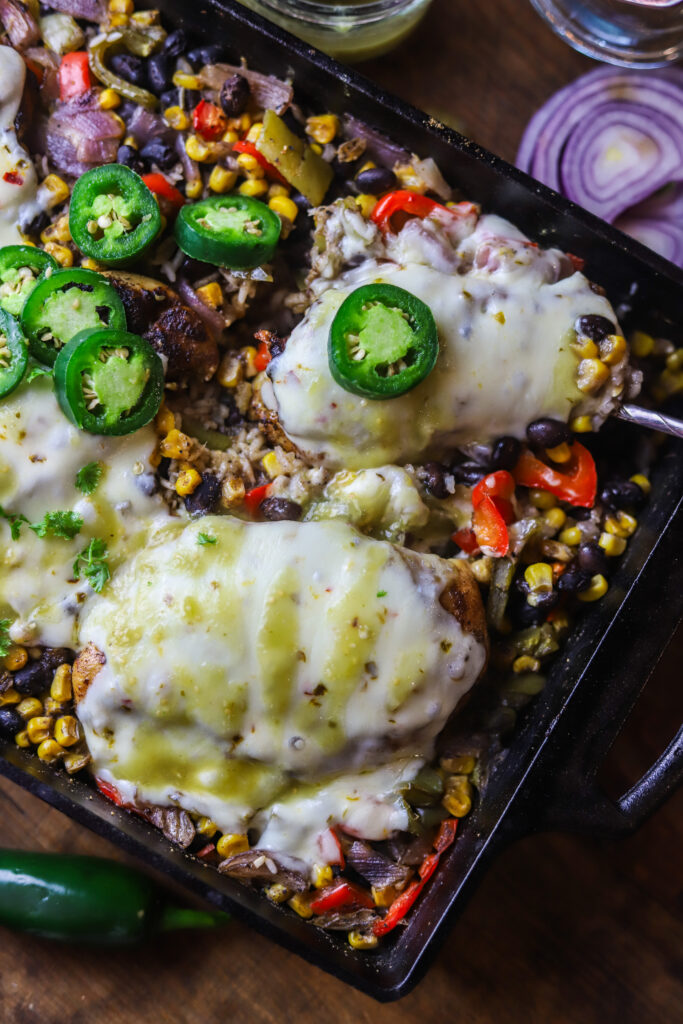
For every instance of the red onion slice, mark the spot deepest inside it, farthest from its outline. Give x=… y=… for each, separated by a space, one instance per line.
x=663 y=236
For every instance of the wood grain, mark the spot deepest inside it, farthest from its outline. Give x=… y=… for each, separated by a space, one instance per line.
x=562 y=930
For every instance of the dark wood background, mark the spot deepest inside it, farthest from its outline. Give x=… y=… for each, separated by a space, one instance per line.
x=562 y=930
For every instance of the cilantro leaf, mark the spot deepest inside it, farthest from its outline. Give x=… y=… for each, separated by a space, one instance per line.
x=89 y=477
x=381 y=593
x=15 y=520
x=58 y=524
x=38 y=371
x=92 y=564
x=205 y=538
x=5 y=642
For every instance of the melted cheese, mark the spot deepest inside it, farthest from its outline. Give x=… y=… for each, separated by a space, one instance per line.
x=40 y=454
x=505 y=359
x=18 y=182
x=286 y=651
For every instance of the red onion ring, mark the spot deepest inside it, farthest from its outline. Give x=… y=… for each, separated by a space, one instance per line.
x=663 y=236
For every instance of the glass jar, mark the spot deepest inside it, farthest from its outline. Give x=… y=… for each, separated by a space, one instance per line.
x=351 y=30
x=630 y=33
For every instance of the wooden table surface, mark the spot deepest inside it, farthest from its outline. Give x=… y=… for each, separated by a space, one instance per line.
x=562 y=930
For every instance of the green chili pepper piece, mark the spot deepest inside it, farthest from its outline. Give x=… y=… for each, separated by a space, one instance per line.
x=86 y=899
x=20 y=268
x=142 y=44
x=230 y=231
x=65 y=303
x=109 y=382
x=113 y=216
x=13 y=354
x=383 y=342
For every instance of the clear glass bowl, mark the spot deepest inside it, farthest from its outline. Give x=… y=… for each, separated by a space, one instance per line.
x=630 y=33
x=351 y=30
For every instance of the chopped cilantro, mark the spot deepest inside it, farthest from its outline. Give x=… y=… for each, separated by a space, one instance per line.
x=92 y=564
x=205 y=538
x=58 y=524
x=38 y=371
x=15 y=520
x=5 y=642
x=381 y=593
x=89 y=477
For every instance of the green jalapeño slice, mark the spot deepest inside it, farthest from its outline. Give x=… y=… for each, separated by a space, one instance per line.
x=65 y=303
x=230 y=231
x=383 y=342
x=109 y=382
x=113 y=216
x=20 y=268
x=13 y=354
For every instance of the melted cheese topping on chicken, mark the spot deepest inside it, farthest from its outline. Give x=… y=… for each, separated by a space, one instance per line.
x=18 y=182
x=240 y=674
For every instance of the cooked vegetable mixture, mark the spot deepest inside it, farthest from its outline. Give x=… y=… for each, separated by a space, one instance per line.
x=299 y=450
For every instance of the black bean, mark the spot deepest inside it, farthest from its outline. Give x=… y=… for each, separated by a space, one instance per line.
x=574 y=579
x=11 y=722
x=170 y=98
x=36 y=676
x=205 y=498
x=506 y=453
x=191 y=98
x=548 y=433
x=592 y=559
x=276 y=345
x=175 y=43
x=201 y=55
x=35 y=225
x=194 y=269
x=595 y=327
x=434 y=479
x=622 y=494
x=133 y=69
x=130 y=157
x=376 y=180
x=525 y=614
x=280 y=508
x=160 y=69
x=158 y=152
x=469 y=473
x=235 y=94
x=580 y=514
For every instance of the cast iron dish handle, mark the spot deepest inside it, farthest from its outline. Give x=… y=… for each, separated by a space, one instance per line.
x=574 y=800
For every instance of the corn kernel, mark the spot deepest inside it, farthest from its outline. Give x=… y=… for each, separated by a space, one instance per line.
x=366 y=203
x=231 y=370
x=177 y=118
x=232 y=492
x=591 y=375
x=463 y=764
x=555 y=518
x=67 y=730
x=276 y=189
x=316 y=148
x=131 y=141
x=525 y=663
x=211 y=294
x=187 y=483
x=53 y=707
x=39 y=728
x=384 y=896
x=194 y=188
x=560 y=620
x=539 y=577
x=622 y=524
x=586 y=348
x=118 y=20
x=50 y=751
x=301 y=905
x=284 y=206
x=249 y=163
x=561 y=453
x=21 y=739
x=57 y=189
x=164 y=420
x=322 y=875
x=674 y=362
x=598 y=587
x=231 y=843
x=206 y=827
x=248 y=354
x=369 y=165
x=30 y=707
x=121 y=6
x=119 y=121
x=409 y=179
x=64 y=256
x=255 y=188
x=612 y=545
x=481 y=569
x=612 y=349
x=254 y=132
x=76 y=761
x=581 y=424
x=362 y=940
x=183 y=81
x=146 y=18
x=109 y=99
x=57 y=232
x=277 y=893
x=155 y=458
x=15 y=658
x=272 y=465
x=571 y=536
x=240 y=124
x=90 y=264
x=9 y=697
x=642 y=344
x=542 y=499
x=458 y=796
x=176 y=445
x=222 y=180
x=642 y=481
x=197 y=149
x=61 y=689
x=231 y=136
x=323 y=128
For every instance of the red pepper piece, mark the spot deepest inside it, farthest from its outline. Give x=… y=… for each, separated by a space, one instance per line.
x=206 y=851
x=446 y=834
x=398 y=909
x=111 y=792
x=262 y=357
x=411 y=203
x=74 y=75
x=342 y=896
x=209 y=120
x=13 y=178
x=331 y=848
x=254 y=497
x=162 y=188
x=500 y=484
x=466 y=540
x=428 y=866
x=577 y=262
x=488 y=523
x=577 y=484
x=249 y=147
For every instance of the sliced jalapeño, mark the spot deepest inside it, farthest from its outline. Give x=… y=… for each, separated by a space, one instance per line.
x=236 y=232
x=113 y=216
x=13 y=354
x=20 y=268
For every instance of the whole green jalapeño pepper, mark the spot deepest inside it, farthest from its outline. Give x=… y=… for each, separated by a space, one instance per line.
x=65 y=303
x=20 y=267
x=383 y=342
x=229 y=231
x=85 y=899
x=109 y=382
x=113 y=216
x=13 y=354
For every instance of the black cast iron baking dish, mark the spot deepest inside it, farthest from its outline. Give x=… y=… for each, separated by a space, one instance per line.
x=547 y=779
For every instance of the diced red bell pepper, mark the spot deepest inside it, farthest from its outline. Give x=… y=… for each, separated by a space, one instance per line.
x=446 y=834
x=488 y=523
x=254 y=497
x=466 y=540
x=262 y=357
x=577 y=262
x=342 y=896
x=111 y=792
x=500 y=484
x=209 y=121
x=74 y=75
x=577 y=484
x=271 y=171
x=162 y=188
x=412 y=204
